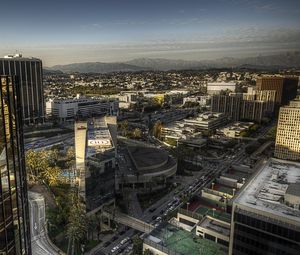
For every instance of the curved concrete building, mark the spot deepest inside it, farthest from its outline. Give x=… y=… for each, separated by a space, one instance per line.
x=147 y=167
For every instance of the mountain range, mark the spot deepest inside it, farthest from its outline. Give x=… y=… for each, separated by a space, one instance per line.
x=286 y=60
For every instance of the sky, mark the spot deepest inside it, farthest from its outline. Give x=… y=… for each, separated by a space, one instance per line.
x=73 y=31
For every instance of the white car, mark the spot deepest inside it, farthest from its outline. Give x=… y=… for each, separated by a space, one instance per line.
x=114 y=249
x=125 y=240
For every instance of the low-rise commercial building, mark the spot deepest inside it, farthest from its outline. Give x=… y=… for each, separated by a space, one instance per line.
x=214 y=88
x=234 y=129
x=68 y=109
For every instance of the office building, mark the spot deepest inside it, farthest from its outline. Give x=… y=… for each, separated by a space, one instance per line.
x=265 y=214
x=287 y=144
x=67 y=109
x=285 y=87
x=14 y=218
x=95 y=147
x=30 y=75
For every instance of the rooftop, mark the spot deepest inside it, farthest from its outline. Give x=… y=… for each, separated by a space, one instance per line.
x=184 y=242
x=215 y=226
x=217 y=214
x=267 y=188
x=293 y=189
x=98 y=136
x=146 y=158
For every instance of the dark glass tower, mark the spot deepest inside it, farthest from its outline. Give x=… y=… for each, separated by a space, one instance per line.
x=14 y=218
x=29 y=72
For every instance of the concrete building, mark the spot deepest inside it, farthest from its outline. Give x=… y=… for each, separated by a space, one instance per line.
x=287 y=144
x=214 y=88
x=251 y=106
x=227 y=104
x=14 y=211
x=285 y=87
x=265 y=214
x=144 y=167
x=29 y=72
x=68 y=109
x=95 y=147
x=207 y=121
x=201 y=100
x=234 y=129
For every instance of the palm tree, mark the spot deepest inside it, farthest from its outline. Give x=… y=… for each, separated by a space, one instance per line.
x=77 y=226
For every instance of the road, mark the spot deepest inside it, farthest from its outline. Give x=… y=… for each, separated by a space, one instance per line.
x=40 y=242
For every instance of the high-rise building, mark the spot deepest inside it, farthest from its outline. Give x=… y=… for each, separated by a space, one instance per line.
x=229 y=105
x=14 y=219
x=95 y=146
x=265 y=214
x=287 y=144
x=29 y=72
x=285 y=87
x=251 y=106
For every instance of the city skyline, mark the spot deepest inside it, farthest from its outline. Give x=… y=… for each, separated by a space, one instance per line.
x=62 y=32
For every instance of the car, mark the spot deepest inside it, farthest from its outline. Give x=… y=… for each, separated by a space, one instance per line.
x=106 y=243
x=125 y=240
x=152 y=209
x=122 y=232
x=114 y=238
x=153 y=217
x=161 y=212
x=114 y=249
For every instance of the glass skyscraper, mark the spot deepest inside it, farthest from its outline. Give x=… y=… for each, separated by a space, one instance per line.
x=30 y=75
x=14 y=218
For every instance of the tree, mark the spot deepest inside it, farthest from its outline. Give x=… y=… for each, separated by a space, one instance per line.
x=77 y=223
x=51 y=175
x=148 y=252
x=272 y=132
x=36 y=163
x=137 y=133
x=53 y=157
x=157 y=129
x=137 y=246
x=124 y=127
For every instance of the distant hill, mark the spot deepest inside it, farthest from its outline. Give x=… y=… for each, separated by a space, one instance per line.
x=47 y=71
x=287 y=60
x=97 y=67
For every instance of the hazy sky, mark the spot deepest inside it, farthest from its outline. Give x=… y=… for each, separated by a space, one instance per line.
x=67 y=31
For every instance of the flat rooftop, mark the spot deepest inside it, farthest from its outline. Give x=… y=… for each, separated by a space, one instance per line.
x=265 y=192
x=145 y=157
x=184 y=242
x=98 y=136
x=217 y=214
x=215 y=226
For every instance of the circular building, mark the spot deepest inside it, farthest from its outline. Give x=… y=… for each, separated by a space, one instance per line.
x=146 y=167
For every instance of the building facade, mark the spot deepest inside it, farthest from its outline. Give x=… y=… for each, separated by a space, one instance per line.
x=287 y=144
x=68 y=109
x=285 y=87
x=14 y=218
x=214 y=88
x=30 y=76
x=251 y=106
x=95 y=146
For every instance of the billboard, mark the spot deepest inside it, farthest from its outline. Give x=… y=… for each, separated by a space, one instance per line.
x=99 y=142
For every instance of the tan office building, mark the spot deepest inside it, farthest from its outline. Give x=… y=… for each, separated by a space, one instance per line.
x=288 y=132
